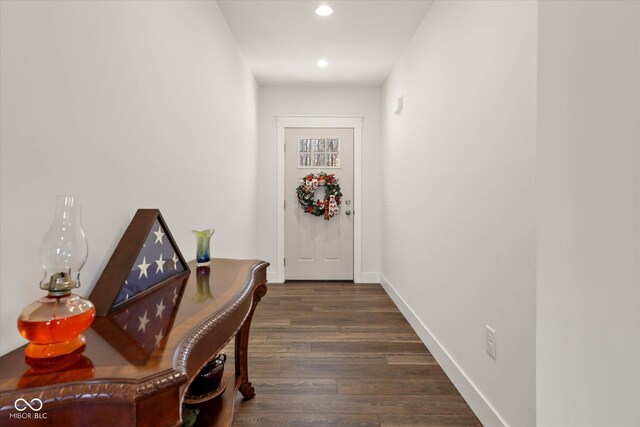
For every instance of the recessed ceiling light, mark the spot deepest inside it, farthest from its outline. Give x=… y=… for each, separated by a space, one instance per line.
x=322 y=63
x=324 y=10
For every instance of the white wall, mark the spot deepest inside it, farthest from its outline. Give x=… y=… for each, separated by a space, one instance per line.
x=321 y=101
x=588 y=296
x=130 y=105
x=458 y=222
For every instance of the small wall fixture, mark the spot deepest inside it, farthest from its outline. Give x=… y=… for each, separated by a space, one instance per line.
x=322 y=63
x=397 y=108
x=324 y=10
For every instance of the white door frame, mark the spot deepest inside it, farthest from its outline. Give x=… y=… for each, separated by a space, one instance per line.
x=353 y=122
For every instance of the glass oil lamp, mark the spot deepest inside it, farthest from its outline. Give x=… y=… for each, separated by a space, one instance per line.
x=54 y=324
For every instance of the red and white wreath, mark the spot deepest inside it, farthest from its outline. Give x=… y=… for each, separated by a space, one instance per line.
x=306 y=194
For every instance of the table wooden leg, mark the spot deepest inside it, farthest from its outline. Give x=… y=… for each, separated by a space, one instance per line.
x=242 y=345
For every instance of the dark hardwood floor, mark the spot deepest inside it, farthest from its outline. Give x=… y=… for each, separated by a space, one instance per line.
x=339 y=354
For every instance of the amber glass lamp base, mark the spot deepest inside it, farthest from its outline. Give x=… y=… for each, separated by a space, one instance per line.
x=40 y=351
x=54 y=325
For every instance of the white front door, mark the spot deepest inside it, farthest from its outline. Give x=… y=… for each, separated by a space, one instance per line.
x=316 y=248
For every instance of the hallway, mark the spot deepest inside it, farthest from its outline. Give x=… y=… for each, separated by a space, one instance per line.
x=496 y=189
x=339 y=354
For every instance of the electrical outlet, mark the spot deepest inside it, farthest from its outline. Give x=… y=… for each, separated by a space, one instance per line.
x=491 y=342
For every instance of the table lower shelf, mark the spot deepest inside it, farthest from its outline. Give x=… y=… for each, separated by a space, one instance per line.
x=218 y=412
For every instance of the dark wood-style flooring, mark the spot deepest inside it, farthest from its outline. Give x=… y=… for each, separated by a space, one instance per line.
x=340 y=354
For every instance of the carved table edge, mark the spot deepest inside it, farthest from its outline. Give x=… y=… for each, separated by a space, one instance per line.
x=190 y=341
x=112 y=390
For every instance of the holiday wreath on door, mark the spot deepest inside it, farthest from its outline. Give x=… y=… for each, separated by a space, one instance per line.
x=316 y=207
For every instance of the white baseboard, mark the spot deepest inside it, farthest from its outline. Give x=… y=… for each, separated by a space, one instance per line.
x=370 y=277
x=485 y=412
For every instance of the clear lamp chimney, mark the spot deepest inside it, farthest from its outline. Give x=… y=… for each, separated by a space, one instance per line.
x=64 y=249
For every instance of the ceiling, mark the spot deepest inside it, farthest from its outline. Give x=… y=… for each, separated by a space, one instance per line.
x=361 y=40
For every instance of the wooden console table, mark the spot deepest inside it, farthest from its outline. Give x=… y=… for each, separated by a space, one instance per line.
x=137 y=365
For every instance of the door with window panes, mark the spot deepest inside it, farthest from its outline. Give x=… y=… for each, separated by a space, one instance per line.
x=315 y=248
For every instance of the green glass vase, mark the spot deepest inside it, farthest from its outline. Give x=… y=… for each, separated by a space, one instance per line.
x=203 y=240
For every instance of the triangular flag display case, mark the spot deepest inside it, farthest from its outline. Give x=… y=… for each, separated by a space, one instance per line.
x=146 y=259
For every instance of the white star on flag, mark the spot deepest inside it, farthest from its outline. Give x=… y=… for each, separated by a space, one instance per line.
x=158 y=338
x=143 y=267
x=160 y=308
x=160 y=264
x=159 y=235
x=175 y=261
x=143 y=323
